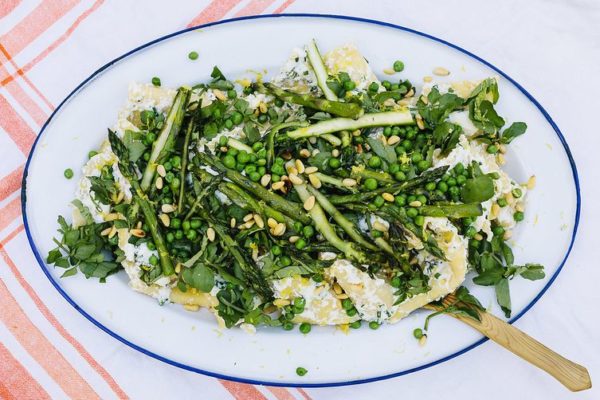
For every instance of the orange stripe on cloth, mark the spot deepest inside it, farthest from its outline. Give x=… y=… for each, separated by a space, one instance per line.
x=214 y=11
x=283 y=7
x=254 y=7
x=9 y=212
x=280 y=393
x=6 y=7
x=41 y=349
x=304 y=394
x=242 y=391
x=5 y=394
x=54 y=322
x=17 y=382
x=17 y=92
x=16 y=127
x=34 y=24
x=11 y=183
x=23 y=70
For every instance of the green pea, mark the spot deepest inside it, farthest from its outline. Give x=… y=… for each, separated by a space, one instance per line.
x=461 y=179
x=186 y=226
x=308 y=231
x=492 y=149
x=459 y=168
x=254 y=176
x=519 y=216
x=375 y=233
x=386 y=84
x=349 y=85
x=229 y=161
x=355 y=324
x=407 y=144
x=153 y=260
x=419 y=220
x=288 y=325
x=470 y=232
x=252 y=158
x=347 y=304
x=305 y=328
x=373 y=87
x=451 y=182
x=418 y=333
x=276 y=250
x=375 y=162
x=237 y=117
x=243 y=157
x=175 y=183
x=442 y=186
x=261 y=170
x=416 y=157
x=298 y=226
x=275 y=178
x=232 y=152
x=302 y=371
x=398 y=66
x=278 y=169
x=422 y=199
x=262 y=118
x=169 y=177
x=193 y=55
x=498 y=230
x=300 y=244
x=231 y=93
x=517 y=193
x=151 y=245
x=249 y=169
x=257 y=146
x=400 y=200
x=370 y=184
x=352 y=312
x=168 y=166
x=285 y=261
x=156 y=81
x=261 y=154
x=334 y=163
x=400 y=176
x=412 y=212
x=502 y=202
x=175 y=223
x=228 y=123
x=170 y=237
x=68 y=173
x=195 y=223
x=374 y=325
x=378 y=201
x=423 y=165
x=395 y=86
x=454 y=191
x=411 y=198
x=191 y=234
x=179 y=234
x=394 y=168
x=395 y=282
x=430 y=186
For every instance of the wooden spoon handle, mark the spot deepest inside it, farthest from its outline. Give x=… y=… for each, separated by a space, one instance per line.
x=574 y=376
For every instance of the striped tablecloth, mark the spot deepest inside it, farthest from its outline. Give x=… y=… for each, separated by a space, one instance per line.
x=48 y=350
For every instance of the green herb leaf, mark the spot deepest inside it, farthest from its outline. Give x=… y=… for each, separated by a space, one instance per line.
x=513 y=131
x=477 y=190
x=445 y=136
x=387 y=153
x=438 y=107
x=133 y=142
x=503 y=296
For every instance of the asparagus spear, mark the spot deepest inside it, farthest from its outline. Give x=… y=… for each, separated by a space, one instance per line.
x=270 y=138
x=342 y=221
x=452 y=210
x=314 y=57
x=387 y=118
x=166 y=139
x=347 y=110
x=427 y=176
x=362 y=172
x=141 y=199
x=184 y=163
x=324 y=227
x=288 y=208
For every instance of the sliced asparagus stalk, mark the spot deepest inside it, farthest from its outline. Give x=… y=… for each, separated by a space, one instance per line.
x=318 y=66
x=236 y=144
x=346 y=110
x=342 y=124
x=141 y=199
x=184 y=163
x=342 y=221
x=270 y=138
x=166 y=139
x=452 y=211
x=363 y=173
x=290 y=209
x=324 y=227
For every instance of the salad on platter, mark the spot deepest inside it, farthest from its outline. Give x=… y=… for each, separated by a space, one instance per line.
x=325 y=196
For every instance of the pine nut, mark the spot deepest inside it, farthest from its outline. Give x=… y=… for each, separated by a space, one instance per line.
x=389 y=71
x=478 y=236
x=272 y=223
x=335 y=153
x=168 y=208
x=300 y=166
x=494 y=211
x=161 y=170
x=309 y=203
x=341 y=296
x=278 y=185
x=113 y=232
x=388 y=197
x=501 y=159
x=295 y=179
x=315 y=181
x=349 y=182
x=531 y=182
x=249 y=224
x=378 y=226
x=232 y=222
x=281 y=302
x=159 y=183
x=120 y=196
x=262 y=107
x=423 y=340
x=178 y=268
x=393 y=140
x=291 y=169
x=248 y=217
x=219 y=95
x=165 y=219
x=279 y=230
x=420 y=123
x=304 y=153
x=259 y=221
x=294 y=239
x=337 y=288
x=112 y=217
x=106 y=231
x=415 y=203
x=507 y=235
x=310 y=170
x=519 y=207
x=210 y=234
x=138 y=233
x=502 y=148
x=265 y=180
x=441 y=71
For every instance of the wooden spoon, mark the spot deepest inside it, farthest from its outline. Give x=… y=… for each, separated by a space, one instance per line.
x=573 y=376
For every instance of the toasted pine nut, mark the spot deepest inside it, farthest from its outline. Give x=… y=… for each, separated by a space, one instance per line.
x=507 y=235
x=138 y=233
x=249 y=224
x=519 y=207
x=259 y=221
x=502 y=148
x=392 y=140
x=291 y=169
x=232 y=222
x=420 y=123
x=265 y=180
x=305 y=153
x=295 y=179
x=262 y=107
x=248 y=217
x=349 y=182
x=335 y=153
x=494 y=211
x=168 y=208
x=309 y=203
x=272 y=222
x=219 y=95
x=112 y=217
x=178 y=267
x=423 y=340
x=279 y=230
x=113 y=232
x=281 y=302
x=159 y=183
x=278 y=185
x=165 y=219
x=341 y=296
x=388 y=197
x=337 y=288
x=300 y=166
x=478 y=236
x=389 y=71
x=441 y=71
x=161 y=170
x=378 y=226
x=427 y=79
x=294 y=239
x=210 y=234
x=501 y=159
x=315 y=181
x=106 y=231
x=415 y=203
x=310 y=170
x=531 y=182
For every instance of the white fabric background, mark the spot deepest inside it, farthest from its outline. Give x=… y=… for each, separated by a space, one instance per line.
x=551 y=47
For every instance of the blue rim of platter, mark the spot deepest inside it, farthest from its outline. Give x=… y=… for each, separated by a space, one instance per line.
x=46 y=271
